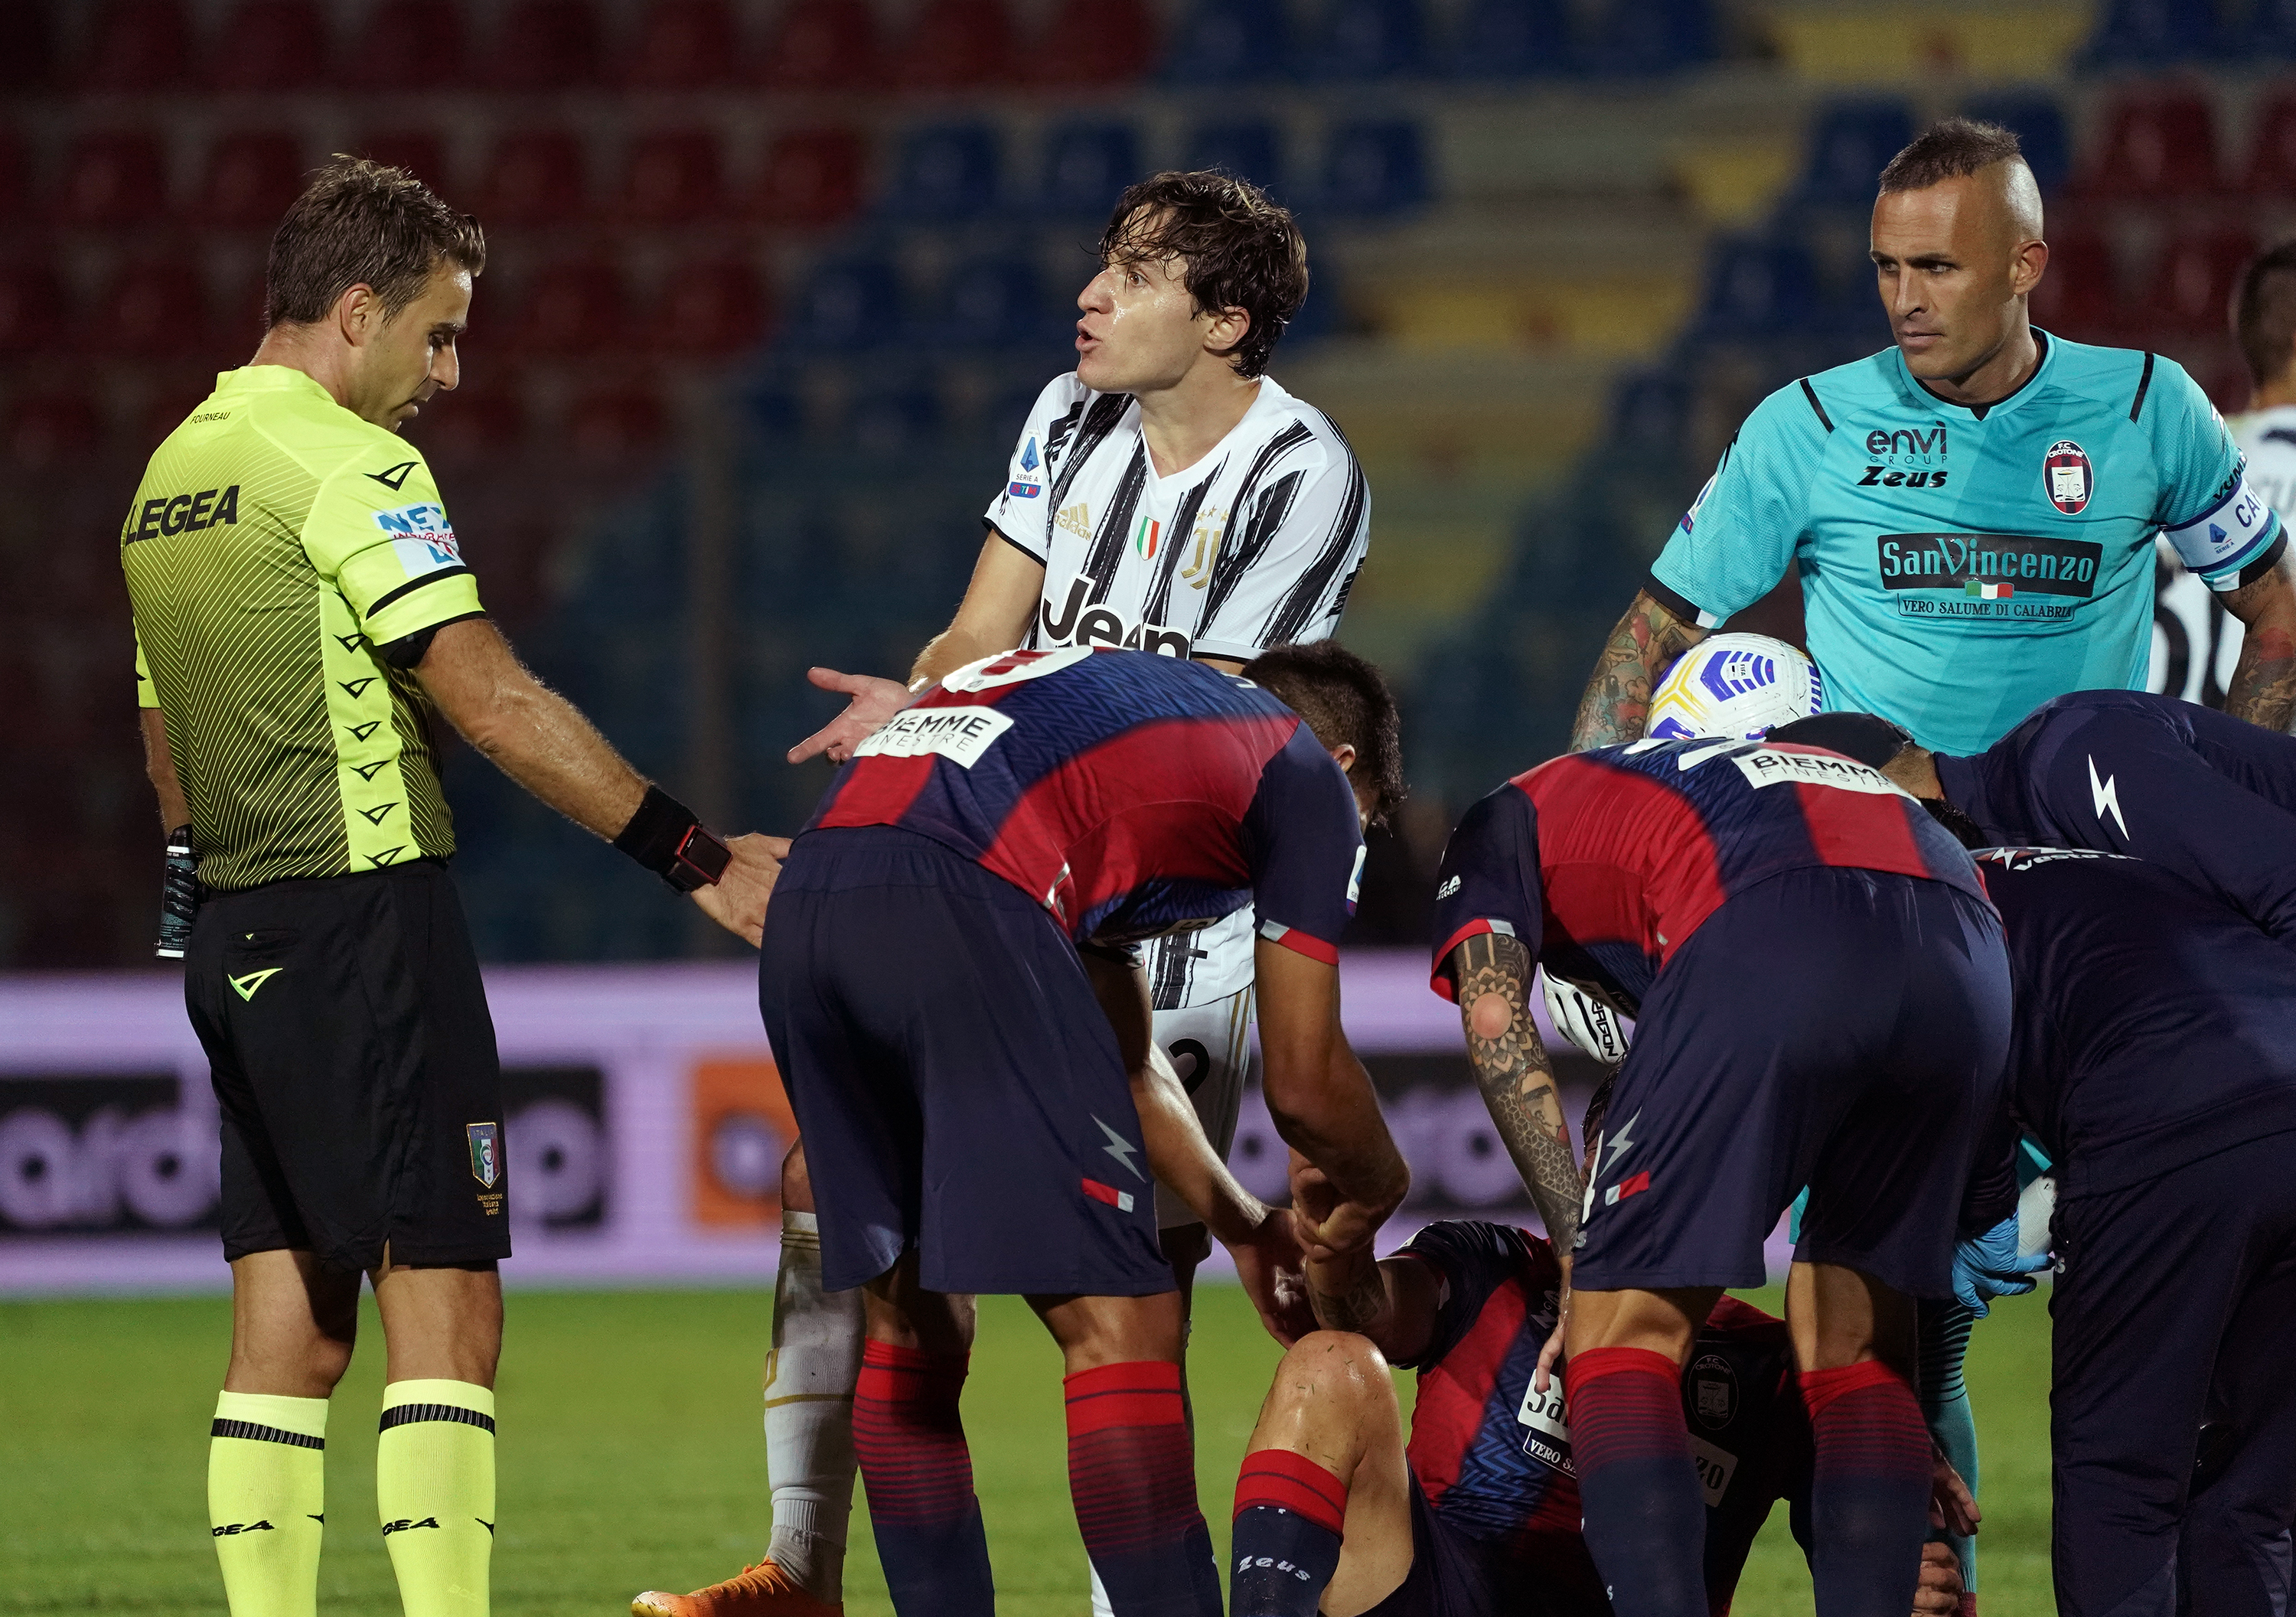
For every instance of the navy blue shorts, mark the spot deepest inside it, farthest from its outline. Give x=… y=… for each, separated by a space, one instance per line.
x=957 y=1085
x=1452 y=1574
x=1839 y=1027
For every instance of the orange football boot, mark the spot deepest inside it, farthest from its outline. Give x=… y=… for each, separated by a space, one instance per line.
x=763 y=1590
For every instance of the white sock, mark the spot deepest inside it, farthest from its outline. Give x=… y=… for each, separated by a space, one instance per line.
x=1100 y=1605
x=810 y=1380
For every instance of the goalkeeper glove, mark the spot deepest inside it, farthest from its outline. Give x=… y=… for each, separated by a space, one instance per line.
x=1989 y=1265
x=179 y=896
x=1586 y=1021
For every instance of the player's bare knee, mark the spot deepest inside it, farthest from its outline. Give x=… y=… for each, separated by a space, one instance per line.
x=797 y=1183
x=1333 y=1369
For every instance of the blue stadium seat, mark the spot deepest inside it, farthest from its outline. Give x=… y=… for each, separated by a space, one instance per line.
x=1848 y=145
x=1361 y=40
x=1229 y=42
x=2149 y=32
x=1088 y=165
x=845 y=306
x=1374 y=168
x=2270 y=31
x=1641 y=36
x=893 y=420
x=1756 y=287
x=1513 y=39
x=1651 y=410
x=1249 y=150
x=987 y=303
x=945 y=172
x=2039 y=123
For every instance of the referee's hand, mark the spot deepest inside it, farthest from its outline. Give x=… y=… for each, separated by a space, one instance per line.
x=737 y=899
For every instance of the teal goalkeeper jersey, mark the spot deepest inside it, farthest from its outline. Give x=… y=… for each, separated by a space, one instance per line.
x=1960 y=566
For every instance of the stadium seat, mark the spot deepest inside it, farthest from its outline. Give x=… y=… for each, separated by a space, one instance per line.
x=1358 y=40
x=1512 y=39
x=613 y=426
x=252 y=177
x=2191 y=294
x=713 y=310
x=1372 y=169
x=1088 y=165
x=544 y=44
x=112 y=178
x=409 y=44
x=15 y=178
x=419 y=152
x=956 y=44
x=269 y=46
x=140 y=45
x=1093 y=42
x=50 y=429
x=1249 y=150
x=945 y=172
x=988 y=303
x=481 y=420
x=1850 y=143
x=239 y=318
x=2271 y=168
x=845 y=306
x=893 y=418
x=1223 y=42
x=684 y=45
x=153 y=310
x=1650 y=411
x=1640 y=36
x=674 y=177
x=27 y=48
x=32 y=309
x=534 y=178
x=1756 y=287
x=2080 y=293
x=812 y=179
x=822 y=44
x=573 y=308
x=2270 y=31
x=2147 y=33
x=2039 y=124
x=2158 y=147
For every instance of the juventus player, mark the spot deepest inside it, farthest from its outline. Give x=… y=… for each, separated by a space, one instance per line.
x=1167 y=494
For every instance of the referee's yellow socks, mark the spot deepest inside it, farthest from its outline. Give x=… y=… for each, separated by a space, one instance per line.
x=267 y=1501
x=434 y=1483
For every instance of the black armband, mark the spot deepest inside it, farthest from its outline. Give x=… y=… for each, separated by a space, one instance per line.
x=666 y=838
x=179 y=896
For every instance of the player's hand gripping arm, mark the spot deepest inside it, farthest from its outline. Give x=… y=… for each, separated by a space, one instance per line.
x=2264 y=680
x=1393 y=1301
x=994 y=617
x=1618 y=696
x=541 y=741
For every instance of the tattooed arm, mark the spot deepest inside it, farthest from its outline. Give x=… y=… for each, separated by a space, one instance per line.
x=1618 y=696
x=1394 y=1303
x=2264 y=681
x=1493 y=973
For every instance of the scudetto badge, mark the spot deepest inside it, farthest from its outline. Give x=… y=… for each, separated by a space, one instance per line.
x=2067 y=477
x=486 y=1153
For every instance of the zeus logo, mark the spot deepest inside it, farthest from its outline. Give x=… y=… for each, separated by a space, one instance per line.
x=2102 y=795
x=1122 y=1149
x=1620 y=1145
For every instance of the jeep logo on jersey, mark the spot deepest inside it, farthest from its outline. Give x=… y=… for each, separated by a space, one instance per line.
x=1076 y=623
x=2067 y=478
x=420 y=537
x=2019 y=563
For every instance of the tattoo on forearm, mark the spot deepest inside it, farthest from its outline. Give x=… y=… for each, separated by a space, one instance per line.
x=1617 y=701
x=2264 y=680
x=1517 y=1083
x=1359 y=1308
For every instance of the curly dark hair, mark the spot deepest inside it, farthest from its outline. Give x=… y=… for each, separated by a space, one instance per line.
x=1238 y=249
x=1345 y=699
x=360 y=222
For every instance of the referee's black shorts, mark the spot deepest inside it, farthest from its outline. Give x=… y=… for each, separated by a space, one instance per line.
x=355 y=1066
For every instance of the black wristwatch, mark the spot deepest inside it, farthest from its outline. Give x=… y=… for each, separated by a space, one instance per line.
x=665 y=836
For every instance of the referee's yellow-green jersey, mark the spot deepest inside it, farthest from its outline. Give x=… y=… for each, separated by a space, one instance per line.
x=287 y=561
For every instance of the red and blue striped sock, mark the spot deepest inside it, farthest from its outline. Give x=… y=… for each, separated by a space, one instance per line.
x=1869 y=1490
x=1132 y=1475
x=1289 y=1519
x=927 y=1519
x=1645 y=1514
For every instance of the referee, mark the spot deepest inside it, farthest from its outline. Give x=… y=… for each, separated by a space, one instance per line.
x=302 y=606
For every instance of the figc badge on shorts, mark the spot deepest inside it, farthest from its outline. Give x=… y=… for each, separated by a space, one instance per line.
x=486 y=1153
x=2068 y=477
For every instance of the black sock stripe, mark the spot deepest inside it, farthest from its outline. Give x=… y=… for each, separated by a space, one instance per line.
x=403 y=1415
x=255 y=1434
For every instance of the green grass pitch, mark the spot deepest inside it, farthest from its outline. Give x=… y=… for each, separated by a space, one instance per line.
x=630 y=1456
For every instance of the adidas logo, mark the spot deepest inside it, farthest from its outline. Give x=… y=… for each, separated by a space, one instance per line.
x=1076 y=520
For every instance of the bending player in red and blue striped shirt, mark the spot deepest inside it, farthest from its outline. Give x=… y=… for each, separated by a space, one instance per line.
x=1823 y=999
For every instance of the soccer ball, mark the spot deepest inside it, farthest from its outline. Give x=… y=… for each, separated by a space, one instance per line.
x=1735 y=685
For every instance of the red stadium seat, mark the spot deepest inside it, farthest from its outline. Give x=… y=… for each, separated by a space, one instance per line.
x=544 y=44
x=15 y=178
x=1095 y=42
x=112 y=178
x=684 y=45
x=480 y=422
x=615 y=425
x=253 y=176
x=2193 y=283
x=674 y=178
x=2272 y=156
x=419 y=151
x=155 y=309
x=2157 y=147
x=32 y=309
x=957 y=45
x=822 y=44
x=812 y=179
x=2080 y=296
x=239 y=320
x=409 y=44
x=710 y=311
x=573 y=308
x=140 y=45
x=536 y=178
x=268 y=46
x=28 y=45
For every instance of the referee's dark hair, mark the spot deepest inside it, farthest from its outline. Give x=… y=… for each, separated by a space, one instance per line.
x=2264 y=314
x=1949 y=149
x=1240 y=249
x=360 y=222
x=1346 y=703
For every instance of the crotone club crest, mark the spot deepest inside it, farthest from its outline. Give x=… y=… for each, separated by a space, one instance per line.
x=2067 y=476
x=486 y=1153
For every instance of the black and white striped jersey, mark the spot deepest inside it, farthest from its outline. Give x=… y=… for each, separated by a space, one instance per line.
x=1256 y=545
